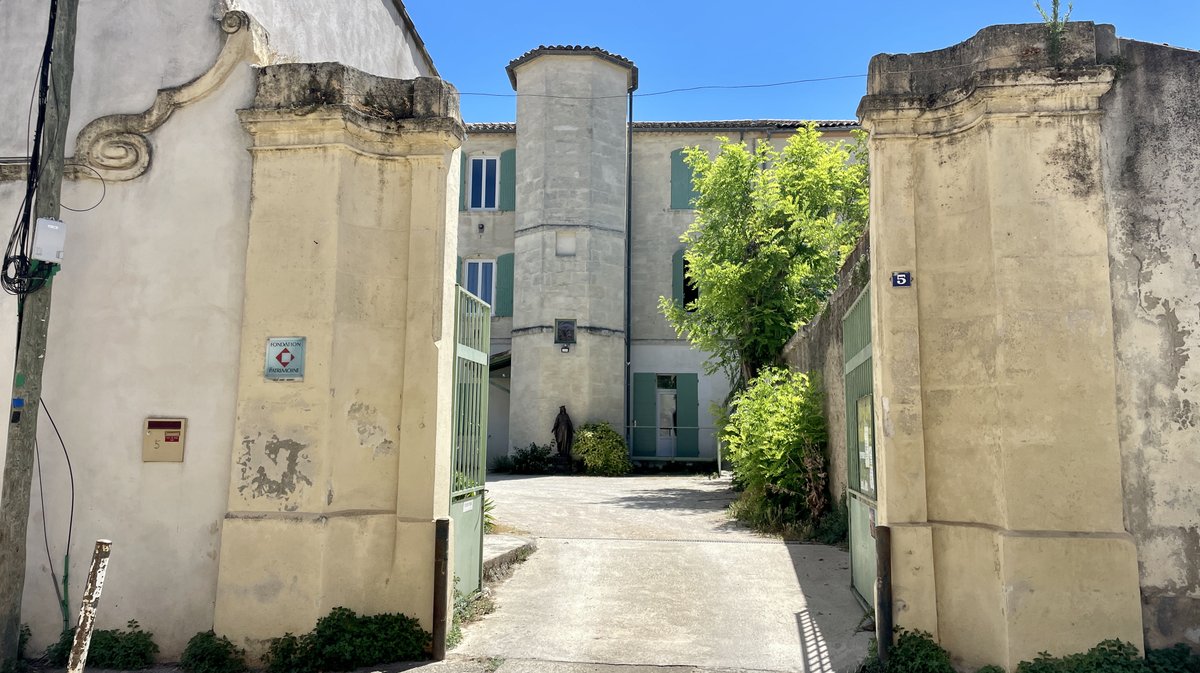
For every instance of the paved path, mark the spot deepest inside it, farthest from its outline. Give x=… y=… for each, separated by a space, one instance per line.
x=650 y=571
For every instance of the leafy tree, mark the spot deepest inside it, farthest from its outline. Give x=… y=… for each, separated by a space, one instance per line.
x=771 y=231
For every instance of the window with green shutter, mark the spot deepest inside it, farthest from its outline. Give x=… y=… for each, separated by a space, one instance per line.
x=683 y=291
x=503 y=305
x=508 y=180
x=645 y=409
x=687 y=415
x=682 y=191
x=462 y=181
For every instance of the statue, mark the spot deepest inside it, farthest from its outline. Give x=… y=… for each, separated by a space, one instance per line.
x=564 y=432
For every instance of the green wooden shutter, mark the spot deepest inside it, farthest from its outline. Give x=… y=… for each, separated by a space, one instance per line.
x=687 y=415
x=677 y=280
x=508 y=180
x=462 y=181
x=645 y=406
x=503 y=305
x=682 y=192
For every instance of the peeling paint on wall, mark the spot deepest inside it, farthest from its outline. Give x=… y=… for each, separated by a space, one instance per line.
x=371 y=432
x=279 y=475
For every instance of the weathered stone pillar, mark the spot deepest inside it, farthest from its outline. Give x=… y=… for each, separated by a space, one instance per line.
x=337 y=479
x=1000 y=467
x=569 y=259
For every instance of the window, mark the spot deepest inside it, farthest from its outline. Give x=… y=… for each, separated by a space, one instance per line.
x=485 y=183
x=479 y=278
x=683 y=290
x=683 y=192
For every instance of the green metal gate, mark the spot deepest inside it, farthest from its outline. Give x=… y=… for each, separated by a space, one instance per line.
x=472 y=337
x=860 y=444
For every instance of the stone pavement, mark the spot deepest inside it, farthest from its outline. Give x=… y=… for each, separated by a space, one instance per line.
x=649 y=571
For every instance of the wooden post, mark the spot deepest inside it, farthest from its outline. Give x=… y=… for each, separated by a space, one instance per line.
x=87 y=610
x=31 y=347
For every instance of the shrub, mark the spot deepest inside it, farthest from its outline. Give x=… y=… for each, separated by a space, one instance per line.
x=533 y=460
x=129 y=650
x=1110 y=656
x=207 y=652
x=775 y=440
x=1177 y=659
x=990 y=668
x=916 y=652
x=502 y=464
x=834 y=527
x=602 y=450
x=343 y=640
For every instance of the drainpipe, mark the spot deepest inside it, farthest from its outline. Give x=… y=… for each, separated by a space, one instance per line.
x=883 y=591
x=441 y=582
x=629 y=273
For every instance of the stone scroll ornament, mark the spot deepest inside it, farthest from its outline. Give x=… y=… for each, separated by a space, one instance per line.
x=117 y=147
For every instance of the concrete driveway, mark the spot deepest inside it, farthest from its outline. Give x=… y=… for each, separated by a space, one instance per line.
x=650 y=571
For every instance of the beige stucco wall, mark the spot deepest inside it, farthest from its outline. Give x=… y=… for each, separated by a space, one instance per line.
x=1153 y=203
x=995 y=373
x=147 y=310
x=345 y=472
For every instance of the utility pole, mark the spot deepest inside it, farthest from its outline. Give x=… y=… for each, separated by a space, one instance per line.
x=31 y=346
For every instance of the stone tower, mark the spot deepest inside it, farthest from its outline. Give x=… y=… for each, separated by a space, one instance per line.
x=569 y=248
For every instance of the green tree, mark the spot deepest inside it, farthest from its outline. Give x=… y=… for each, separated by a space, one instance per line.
x=770 y=233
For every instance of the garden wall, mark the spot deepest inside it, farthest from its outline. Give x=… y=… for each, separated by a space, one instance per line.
x=817 y=349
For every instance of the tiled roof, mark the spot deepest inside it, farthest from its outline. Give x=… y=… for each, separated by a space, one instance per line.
x=717 y=125
x=570 y=50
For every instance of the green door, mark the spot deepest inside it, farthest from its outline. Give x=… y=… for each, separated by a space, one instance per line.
x=860 y=443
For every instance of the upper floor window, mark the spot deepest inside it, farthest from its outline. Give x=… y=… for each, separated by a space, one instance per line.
x=683 y=191
x=485 y=183
x=480 y=278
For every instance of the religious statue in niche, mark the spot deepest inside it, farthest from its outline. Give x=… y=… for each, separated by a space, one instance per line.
x=564 y=432
x=564 y=331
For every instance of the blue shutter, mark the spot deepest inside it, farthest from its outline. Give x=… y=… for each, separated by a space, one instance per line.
x=508 y=180
x=682 y=191
x=687 y=416
x=503 y=305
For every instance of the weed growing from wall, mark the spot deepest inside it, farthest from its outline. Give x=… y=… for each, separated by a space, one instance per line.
x=1055 y=27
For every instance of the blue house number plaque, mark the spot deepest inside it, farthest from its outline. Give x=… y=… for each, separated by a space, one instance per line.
x=902 y=279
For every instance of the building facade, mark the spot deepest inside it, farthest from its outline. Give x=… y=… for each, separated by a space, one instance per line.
x=570 y=226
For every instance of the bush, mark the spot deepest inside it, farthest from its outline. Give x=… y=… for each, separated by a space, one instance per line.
x=207 y=652
x=602 y=450
x=533 y=460
x=1110 y=656
x=129 y=650
x=834 y=528
x=916 y=652
x=1177 y=659
x=775 y=440
x=502 y=464
x=343 y=640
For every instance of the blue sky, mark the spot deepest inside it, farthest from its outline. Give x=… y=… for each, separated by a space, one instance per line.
x=676 y=44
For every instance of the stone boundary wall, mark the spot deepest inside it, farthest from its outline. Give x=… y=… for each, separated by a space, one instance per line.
x=1151 y=181
x=817 y=349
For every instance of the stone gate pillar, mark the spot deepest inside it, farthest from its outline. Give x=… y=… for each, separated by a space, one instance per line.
x=337 y=479
x=1000 y=467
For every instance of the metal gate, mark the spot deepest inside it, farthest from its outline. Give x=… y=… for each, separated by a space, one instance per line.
x=472 y=337
x=860 y=443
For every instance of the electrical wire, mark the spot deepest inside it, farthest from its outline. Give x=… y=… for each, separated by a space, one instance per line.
x=103 y=192
x=19 y=275
x=37 y=453
x=63 y=600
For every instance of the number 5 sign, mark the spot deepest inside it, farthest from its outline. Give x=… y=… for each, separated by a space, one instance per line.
x=902 y=279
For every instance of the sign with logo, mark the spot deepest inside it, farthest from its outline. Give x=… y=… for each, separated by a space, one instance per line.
x=285 y=359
